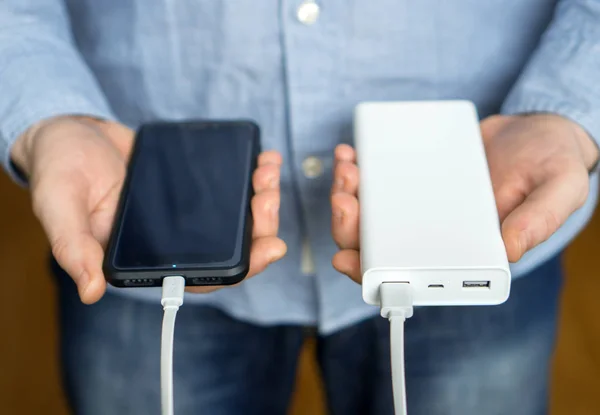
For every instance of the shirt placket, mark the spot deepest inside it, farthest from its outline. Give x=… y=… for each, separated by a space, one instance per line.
x=318 y=120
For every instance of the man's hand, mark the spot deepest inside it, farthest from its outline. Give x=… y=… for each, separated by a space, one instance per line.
x=76 y=167
x=539 y=166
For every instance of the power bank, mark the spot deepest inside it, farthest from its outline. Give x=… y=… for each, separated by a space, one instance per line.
x=428 y=215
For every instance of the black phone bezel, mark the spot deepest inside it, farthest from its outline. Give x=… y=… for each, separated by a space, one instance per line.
x=197 y=275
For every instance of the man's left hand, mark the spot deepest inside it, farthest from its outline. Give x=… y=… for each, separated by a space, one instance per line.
x=539 y=165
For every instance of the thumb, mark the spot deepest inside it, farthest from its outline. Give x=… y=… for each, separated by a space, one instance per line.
x=542 y=213
x=491 y=125
x=64 y=215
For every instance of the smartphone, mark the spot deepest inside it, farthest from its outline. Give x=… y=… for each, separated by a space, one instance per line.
x=185 y=205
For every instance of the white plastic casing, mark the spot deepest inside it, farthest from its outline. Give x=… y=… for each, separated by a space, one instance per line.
x=428 y=215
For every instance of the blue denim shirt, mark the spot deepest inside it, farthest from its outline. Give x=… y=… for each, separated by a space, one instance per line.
x=299 y=75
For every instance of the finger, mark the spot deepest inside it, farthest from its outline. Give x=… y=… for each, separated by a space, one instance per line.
x=269 y=157
x=345 y=152
x=510 y=193
x=543 y=212
x=265 y=211
x=103 y=215
x=62 y=211
x=491 y=125
x=345 y=178
x=203 y=289
x=264 y=252
x=119 y=135
x=347 y=262
x=344 y=226
x=266 y=177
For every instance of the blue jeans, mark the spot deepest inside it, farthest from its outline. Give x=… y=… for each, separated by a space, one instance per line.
x=460 y=360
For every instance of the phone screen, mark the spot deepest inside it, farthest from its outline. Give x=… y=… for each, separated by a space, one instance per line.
x=186 y=198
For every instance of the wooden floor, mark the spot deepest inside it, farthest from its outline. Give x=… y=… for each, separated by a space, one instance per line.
x=29 y=381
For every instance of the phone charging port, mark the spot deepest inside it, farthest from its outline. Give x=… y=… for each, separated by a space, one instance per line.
x=139 y=282
x=207 y=281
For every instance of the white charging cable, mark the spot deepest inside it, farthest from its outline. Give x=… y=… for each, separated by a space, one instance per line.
x=397 y=306
x=173 y=289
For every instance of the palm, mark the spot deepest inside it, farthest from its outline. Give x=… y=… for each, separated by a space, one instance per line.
x=102 y=168
x=76 y=175
x=78 y=168
x=539 y=169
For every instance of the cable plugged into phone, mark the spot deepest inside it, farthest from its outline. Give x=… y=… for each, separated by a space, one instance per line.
x=195 y=161
x=154 y=202
x=173 y=290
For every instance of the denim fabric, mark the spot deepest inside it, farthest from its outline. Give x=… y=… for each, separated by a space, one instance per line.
x=459 y=360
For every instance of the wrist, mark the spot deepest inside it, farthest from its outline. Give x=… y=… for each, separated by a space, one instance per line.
x=590 y=151
x=20 y=153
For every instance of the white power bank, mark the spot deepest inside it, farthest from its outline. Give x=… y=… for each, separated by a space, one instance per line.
x=428 y=215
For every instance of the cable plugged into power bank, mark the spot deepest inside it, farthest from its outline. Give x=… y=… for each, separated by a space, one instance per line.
x=397 y=306
x=173 y=290
x=429 y=228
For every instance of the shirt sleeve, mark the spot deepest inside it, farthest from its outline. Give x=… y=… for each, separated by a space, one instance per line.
x=42 y=74
x=563 y=75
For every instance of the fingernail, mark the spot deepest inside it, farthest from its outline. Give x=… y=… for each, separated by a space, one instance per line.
x=275 y=254
x=274 y=209
x=522 y=241
x=82 y=283
x=338 y=215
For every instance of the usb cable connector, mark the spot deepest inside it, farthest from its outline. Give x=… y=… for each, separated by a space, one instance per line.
x=173 y=289
x=397 y=306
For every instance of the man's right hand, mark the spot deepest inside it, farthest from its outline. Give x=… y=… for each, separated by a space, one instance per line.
x=76 y=167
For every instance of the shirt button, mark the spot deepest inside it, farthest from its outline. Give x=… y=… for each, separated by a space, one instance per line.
x=312 y=167
x=308 y=12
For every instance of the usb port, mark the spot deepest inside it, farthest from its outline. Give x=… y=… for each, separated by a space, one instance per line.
x=476 y=284
x=435 y=286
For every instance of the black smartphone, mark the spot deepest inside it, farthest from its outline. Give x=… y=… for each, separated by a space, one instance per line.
x=185 y=205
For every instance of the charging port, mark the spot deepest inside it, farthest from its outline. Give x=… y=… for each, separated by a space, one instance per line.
x=207 y=281
x=139 y=282
x=476 y=284
x=435 y=286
